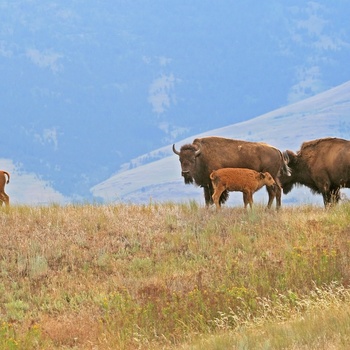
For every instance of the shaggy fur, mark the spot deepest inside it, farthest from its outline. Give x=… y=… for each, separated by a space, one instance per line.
x=323 y=165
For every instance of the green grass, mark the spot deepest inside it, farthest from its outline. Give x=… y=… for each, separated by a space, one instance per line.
x=166 y=276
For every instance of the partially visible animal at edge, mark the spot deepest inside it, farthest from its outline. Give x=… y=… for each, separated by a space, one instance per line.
x=206 y=154
x=323 y=165
x=4 y=198
x=244 y=180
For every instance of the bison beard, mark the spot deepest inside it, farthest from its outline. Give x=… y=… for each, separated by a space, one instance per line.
x=187 y=179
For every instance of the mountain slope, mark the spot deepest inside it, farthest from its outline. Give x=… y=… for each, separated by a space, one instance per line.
x=157 y=176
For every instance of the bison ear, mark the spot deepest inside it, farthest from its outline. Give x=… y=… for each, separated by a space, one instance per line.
x=262 y=176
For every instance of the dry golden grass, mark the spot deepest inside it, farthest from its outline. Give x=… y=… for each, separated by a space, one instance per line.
x=156 y=276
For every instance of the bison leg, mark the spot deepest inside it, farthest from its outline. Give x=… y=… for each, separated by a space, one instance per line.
x=272 y=194
x=331 y=197
x=278 y=191
x=248 y=199
x=335 y=195
x=326 y=199
x=216 y=199
x=7 y=200
x=4 y=198
x=218 y=190
x=208 y=192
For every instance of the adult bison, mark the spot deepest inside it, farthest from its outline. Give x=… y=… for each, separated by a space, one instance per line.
x=323 y=165
x=206 y=154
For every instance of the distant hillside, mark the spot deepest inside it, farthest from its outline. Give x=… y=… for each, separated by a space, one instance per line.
x=156 y=175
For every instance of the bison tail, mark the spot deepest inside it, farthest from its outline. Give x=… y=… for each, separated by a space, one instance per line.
x=224 y=197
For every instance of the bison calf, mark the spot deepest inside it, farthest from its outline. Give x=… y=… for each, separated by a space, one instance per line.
x=3 y=196
x=239 y=179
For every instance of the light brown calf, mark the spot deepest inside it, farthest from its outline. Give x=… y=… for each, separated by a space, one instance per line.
x=3 y=196
x=239 y=179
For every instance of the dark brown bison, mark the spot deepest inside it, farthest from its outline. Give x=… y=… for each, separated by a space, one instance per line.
x=247 y=181
x=4 y=198
x=323 y=165
x=206 y=154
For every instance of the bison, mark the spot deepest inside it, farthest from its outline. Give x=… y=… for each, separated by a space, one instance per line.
x=323 y=165
x=206 y=154
x=4 y=198
x=244 y=180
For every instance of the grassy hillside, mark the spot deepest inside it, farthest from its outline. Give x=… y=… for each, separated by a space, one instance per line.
x=174 y=276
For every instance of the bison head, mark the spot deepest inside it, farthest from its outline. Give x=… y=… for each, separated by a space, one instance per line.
x=187 y=156
x=268 y=179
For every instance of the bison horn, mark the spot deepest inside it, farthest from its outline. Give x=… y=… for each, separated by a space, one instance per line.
x=198 y=152
x=175 y=151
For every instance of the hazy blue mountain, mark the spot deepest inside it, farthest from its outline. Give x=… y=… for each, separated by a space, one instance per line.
x=86 y=86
